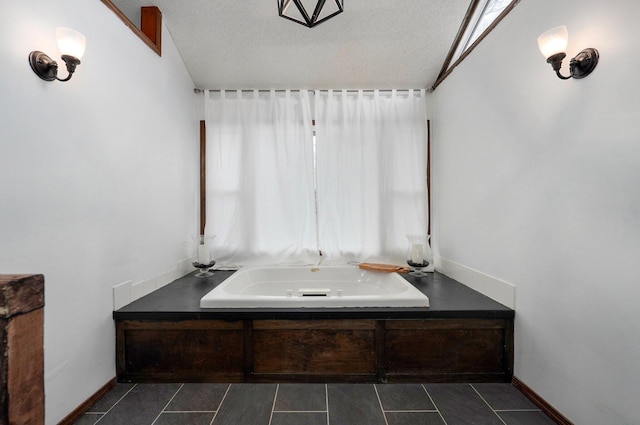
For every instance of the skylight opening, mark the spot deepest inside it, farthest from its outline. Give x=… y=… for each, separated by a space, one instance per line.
x=481 y=18
x=488 y=13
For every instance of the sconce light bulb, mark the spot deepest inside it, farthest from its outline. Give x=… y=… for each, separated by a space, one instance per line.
x=553 y=41
x=71 y=42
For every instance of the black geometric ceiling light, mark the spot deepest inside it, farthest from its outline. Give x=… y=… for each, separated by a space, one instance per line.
x=309 y=12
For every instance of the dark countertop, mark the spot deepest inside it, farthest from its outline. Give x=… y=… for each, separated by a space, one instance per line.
x=180 y=300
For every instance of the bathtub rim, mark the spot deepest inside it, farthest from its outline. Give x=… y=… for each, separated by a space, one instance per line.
x=410 y=296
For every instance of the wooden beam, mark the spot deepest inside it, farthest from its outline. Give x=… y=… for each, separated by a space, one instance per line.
x=151 y=24
x=456 y=42
x=137 y=31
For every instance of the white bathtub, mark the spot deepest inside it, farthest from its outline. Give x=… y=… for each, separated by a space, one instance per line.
x=313 y=287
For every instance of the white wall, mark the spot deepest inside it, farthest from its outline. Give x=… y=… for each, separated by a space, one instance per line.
x=98 y=179
x=537 y=183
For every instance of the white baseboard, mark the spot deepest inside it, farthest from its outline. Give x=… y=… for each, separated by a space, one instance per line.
x=128 y=291
x=494 y=288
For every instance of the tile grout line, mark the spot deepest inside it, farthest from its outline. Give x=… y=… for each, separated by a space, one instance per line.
x=434 y=404
x=375 y=388
x=326 y=398
x=115 y=404
x=273 y=405
x=167 y=404
x=488 y=405
x=100 y=415
x=220 y=405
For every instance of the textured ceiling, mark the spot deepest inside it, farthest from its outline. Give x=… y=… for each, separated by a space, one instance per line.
x=230 y=44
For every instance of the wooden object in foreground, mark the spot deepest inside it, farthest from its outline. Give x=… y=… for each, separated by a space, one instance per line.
x=21 y=349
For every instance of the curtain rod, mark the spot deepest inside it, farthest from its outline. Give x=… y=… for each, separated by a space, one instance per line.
x=198 y=91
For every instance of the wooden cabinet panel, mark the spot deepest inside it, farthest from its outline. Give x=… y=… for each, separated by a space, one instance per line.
x=192 y=350
x=444 y=351
x=447 y=350
x=314 y=351
x=162 y=350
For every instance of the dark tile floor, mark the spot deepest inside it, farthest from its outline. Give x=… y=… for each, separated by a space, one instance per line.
x=314 y=404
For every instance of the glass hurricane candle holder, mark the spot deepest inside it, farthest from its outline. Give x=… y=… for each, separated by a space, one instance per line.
x=419 y=254
x=204 y=256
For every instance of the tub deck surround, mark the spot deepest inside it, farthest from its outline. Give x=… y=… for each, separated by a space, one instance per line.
x=167 y=337
x=180 y=300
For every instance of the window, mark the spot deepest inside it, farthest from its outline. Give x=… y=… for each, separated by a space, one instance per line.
x=280 y=190
x=481 y=18
x=488 y=13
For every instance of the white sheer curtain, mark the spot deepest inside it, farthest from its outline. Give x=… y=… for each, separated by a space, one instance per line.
x=260 y=178
x=371 y=154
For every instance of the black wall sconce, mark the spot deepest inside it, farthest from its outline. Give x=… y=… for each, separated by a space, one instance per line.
x=553 y=45
x=300 y=14
x=71 y=44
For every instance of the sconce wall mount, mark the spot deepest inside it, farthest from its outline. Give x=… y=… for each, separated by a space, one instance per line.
x=47 y=69
x=553 y=45
x=71 y=44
